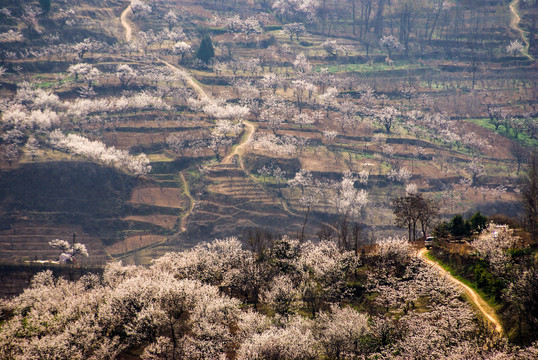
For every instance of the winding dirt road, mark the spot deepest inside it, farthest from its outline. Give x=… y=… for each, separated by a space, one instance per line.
x=125 y=24
x=238 y=150
x=188 y=79
x=514 y=24
x=487 y=311
x=192 y=202
x=182 y=72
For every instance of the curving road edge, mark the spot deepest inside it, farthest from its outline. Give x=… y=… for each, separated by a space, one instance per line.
x=238 y=150
x=487 y=311
x=126 y=26
x=187 y=192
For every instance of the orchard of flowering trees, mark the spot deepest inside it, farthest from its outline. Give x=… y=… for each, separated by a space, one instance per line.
x=98 y=152
x=35 y=112
x=218 y=300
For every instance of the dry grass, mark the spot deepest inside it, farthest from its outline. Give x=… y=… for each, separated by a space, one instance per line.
x=126 y=140
x=321 y=162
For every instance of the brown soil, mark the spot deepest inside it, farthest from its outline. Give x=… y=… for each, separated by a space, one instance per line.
x=126 y=140
x=158 y=196
x=500 y=145
x=133 y=243
x=165 y=221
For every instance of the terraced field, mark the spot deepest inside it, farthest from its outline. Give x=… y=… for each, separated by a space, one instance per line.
x=29 y=242
x=198 y=193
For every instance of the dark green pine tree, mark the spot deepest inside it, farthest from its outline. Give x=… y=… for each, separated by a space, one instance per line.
x=459 y=227
x=45 y=5
x=478 y=222
x=206 y=52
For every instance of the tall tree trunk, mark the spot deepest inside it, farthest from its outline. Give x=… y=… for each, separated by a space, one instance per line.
x=378 y=25
x=304 y=224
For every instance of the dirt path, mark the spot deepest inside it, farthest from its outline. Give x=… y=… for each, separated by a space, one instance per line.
x=486 y=310
x=188 y=79
x=238 y=150
x=514 y=24
x=191 y=199
x=286 y=208
x=125 y=24
x=182 y=72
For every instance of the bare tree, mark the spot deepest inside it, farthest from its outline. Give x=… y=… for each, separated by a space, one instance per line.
x=414 y=208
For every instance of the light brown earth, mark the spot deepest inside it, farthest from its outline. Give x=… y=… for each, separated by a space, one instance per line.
x=158 y=196
x=165 y=221
x=125 y=24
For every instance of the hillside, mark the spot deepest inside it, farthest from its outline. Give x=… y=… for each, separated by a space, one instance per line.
x=409 y=96
x=268 y=179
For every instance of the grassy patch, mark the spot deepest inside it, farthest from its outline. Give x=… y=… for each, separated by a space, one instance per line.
x=522 y=137
x=159 y=158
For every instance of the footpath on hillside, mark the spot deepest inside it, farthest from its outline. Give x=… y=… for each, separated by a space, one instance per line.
x=486 y=311
x=125 y=24
x=249 y=185
x=238 y=150
x=244 y=187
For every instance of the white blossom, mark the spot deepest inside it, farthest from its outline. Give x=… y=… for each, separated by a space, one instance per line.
x=301 y=64
x=493 y=244
x=514 y=47
x=11 y=36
